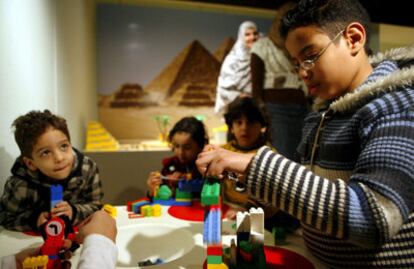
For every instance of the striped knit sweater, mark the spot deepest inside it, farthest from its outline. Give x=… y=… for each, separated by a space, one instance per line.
x=356 y=201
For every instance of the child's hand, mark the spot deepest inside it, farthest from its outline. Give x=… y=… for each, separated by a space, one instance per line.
x=232 y=213
x=42 y=218
x=62 y=208
x=153 y=181
x=176 y=176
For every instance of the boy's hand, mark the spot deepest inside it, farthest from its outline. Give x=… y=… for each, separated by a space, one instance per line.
x=62 y=208
x=43 y=218
x=153 y=181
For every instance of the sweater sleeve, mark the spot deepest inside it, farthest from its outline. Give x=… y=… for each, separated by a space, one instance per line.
x=17 y=211
x=351 y=212
x=98 y=252
x=91 y=194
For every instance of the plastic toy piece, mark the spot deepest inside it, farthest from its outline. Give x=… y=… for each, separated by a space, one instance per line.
x=137 y=204
x=111 y=210
x=98 y=138
x=210 y=195
x=156 y=210
x=191 y=185
x=56 y=195
x=172 y=201
x=212 y=227
x=163 y=193
x=54 y=230
x=38 y=262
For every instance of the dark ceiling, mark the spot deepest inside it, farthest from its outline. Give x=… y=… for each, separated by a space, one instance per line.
x=395 y=12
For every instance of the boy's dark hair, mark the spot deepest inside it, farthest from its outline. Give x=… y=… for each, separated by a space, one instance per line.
x=252 y=109
x=194 y=127
x=332 y=16
x=29 y=127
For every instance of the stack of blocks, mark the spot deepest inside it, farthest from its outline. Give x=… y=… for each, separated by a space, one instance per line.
x=250 y=240
x=210 y=198
x=183 y=194
x=143 y=208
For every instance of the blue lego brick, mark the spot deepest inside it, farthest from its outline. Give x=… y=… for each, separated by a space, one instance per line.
x=172 y=202
x=212 y=227
x=56 y=195
x=192 y=185
x=136 y=206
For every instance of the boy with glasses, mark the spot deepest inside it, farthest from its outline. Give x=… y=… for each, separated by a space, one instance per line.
x=354 y=189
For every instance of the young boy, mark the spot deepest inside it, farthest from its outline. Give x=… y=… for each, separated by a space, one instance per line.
x=354 y=193
x=47 y=158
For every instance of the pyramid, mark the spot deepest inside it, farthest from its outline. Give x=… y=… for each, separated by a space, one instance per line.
x=224 y=48
x=129 y=95
x=190 y=79
x=99 y=139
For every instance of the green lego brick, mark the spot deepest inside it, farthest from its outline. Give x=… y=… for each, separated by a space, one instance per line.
x=179 y=194
x=210 y=195
x=214 y=259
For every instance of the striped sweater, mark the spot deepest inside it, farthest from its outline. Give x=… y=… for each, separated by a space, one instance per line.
x=354 y=191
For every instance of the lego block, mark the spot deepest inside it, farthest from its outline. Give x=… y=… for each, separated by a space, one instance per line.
x=181 y=194
x=217 y=266
x=212 y=227
x=37 y=262
x=211 y=192
x=111 y=210
x=137 y=205
x=129 y=204
x=172 y=202
x=146 y=210
x=134 y=216
x=215 y=250
x=214 y=259
x=156 y=210
x=193 y=185
x=56 y=195
x=163 y=193
x=256 y=225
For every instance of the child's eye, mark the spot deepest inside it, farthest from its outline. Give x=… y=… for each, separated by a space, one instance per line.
x=64 y=146
x=44 y=153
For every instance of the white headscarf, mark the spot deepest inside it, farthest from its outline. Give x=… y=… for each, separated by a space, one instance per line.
x=235 y=75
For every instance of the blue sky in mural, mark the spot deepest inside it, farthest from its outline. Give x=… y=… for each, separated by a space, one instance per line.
x=135 y=43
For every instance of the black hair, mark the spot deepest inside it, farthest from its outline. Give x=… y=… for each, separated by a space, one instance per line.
x=29 y=127
x=252 y=109
x=194 y=127
x=332 y=16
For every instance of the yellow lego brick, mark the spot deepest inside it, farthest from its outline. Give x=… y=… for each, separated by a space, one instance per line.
x=156 y=210
x=111 y=210
x=217 y=266
x=146 y=210
x=35 y=262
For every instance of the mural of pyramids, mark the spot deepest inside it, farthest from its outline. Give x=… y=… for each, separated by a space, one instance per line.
x=224 y=49
x=189 y=80
x=130 y=95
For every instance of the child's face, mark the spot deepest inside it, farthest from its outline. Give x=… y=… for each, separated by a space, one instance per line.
x=245 y=132
x=52 y=155
x=184 y=147
x=335 y=70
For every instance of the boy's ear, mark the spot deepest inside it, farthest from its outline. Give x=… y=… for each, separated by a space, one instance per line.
x=355 y=35
x=29 y=163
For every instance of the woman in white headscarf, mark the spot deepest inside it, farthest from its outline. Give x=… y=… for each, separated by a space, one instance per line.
x=235 y=78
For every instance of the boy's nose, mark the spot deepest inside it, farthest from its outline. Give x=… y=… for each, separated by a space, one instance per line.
x=58 y=156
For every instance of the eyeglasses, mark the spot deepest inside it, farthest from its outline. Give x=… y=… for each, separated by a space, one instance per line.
x=310 y=63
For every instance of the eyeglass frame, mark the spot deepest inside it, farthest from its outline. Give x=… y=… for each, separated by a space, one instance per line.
x=308 y=64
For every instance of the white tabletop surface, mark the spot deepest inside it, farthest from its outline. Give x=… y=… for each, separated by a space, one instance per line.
x=179 y=243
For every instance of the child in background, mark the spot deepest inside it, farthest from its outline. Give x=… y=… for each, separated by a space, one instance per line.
x=187 y=139
x=47 y=158
x=248 y=127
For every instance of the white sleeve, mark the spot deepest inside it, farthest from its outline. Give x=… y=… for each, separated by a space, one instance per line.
x=98 y=252
x=8 y=262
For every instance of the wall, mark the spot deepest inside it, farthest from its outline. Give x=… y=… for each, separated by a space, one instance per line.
x=124 y=174
x=47 y=60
